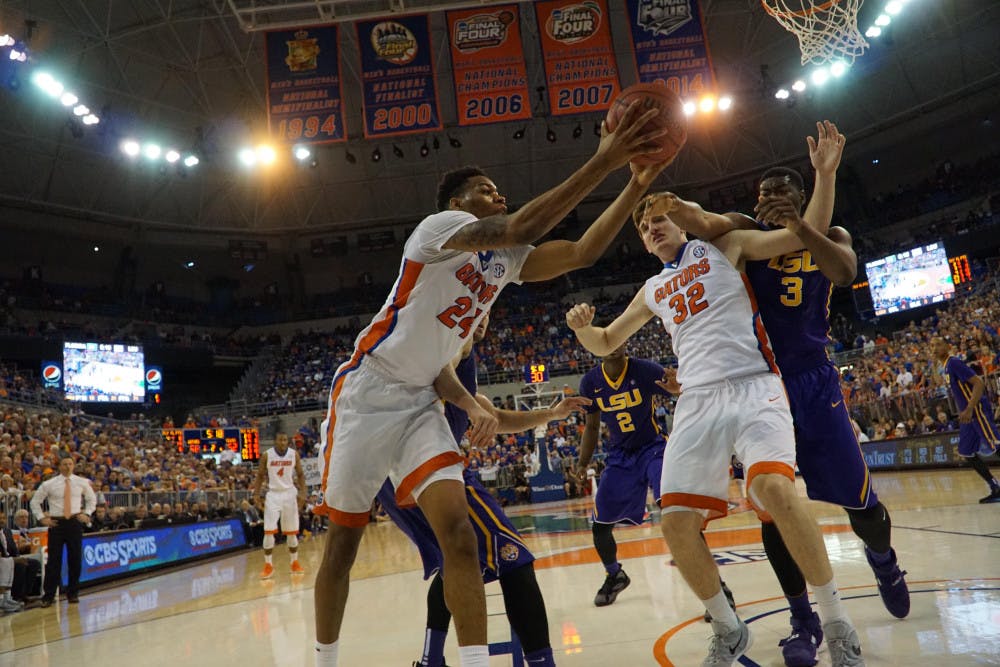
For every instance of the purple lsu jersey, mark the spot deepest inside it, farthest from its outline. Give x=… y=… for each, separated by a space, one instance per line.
x=624 y=403
x=501 y=548
x=981 y=434
x=793 y=297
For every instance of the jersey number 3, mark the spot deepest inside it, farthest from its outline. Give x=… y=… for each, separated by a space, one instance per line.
x=693 y=305
x=793 y=291
x=452 y=315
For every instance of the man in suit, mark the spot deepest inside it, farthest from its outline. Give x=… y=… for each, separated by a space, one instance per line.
x=24 y=570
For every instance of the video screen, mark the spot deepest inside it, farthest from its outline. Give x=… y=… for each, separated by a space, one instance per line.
x=104 y=373
x=910 y=279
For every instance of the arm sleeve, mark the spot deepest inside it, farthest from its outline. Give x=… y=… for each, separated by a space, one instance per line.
x=426 y=241
x=587 y=391
x=36 y=501
x=89 y=499
x=517 y=257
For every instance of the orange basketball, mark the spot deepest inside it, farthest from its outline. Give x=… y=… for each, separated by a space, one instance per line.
x=671 y=116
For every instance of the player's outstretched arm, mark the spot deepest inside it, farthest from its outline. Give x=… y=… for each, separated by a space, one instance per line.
x=555 y=258
x=603 y=340
x=534 y=220
x=692 y=218
x=515 y=421
x=825 y=152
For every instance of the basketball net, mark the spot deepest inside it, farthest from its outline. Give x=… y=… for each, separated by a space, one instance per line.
x=826 y=30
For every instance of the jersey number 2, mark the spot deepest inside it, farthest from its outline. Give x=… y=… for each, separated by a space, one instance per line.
x=452 y=315
x=692 y=306
x=625 y=422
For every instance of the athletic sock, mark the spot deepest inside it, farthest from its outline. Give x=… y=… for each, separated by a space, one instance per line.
x=267 y=558
x=828 y=603
x=613 y=568
x=722 y=613
x=294 y=555
x=799 y=605
x=880 y=559
x=433 y=648
x=326 y=654
x=474 y=656
x=540 y=658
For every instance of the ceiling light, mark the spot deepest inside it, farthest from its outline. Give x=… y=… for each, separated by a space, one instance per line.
x=782 y=94
x=550 y=135
x=838 y=68
x=68 y=99
x=91 y=119
x=873 y=31
x=130 y=147
x=151 y=151
x=707 y=103
x=302 y=153
x=191 y=161
x=80 y=110
x=799 y=86
x=247 y=156
x=266 y=154
x=893 y=7
x=518 y=134
x=455 y=143
x=397 y=151
x=725 y=103
x=376 y=154
x=883 y=20
x=425 y=149
x=689 y=108
x=172 y=156
x=820 y=76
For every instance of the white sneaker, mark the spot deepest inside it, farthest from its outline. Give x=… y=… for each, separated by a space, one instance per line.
x=843 y=644
x=726 y=648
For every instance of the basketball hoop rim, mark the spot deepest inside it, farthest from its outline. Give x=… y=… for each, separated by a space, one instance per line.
x=777 y=13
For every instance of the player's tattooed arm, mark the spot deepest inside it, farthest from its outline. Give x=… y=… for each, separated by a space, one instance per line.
x=484 y=234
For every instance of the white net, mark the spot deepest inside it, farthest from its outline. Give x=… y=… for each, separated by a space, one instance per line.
x=826 y=30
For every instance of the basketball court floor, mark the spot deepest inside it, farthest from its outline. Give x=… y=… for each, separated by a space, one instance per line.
x=220 y=613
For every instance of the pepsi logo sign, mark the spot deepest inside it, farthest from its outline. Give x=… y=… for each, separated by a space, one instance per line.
x=51 y=373
x=154 y=377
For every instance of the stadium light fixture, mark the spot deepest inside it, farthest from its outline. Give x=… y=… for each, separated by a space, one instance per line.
x=689 y=108
x=247 y=156
x=266 y=154
x=425 y=150
x=91 y=119
x=893 y=7
x=397 y=151
x=152 y=151
x=873 y=32
x=782 y=94
x=6 y=40
x=302 y=153
x=838 y=69
x=68 y=99
x=172 y=156
x=191 y=161
x=883 y=20
x=130 y=147
x=706 y=104
x=799 y=86
x=820 y=76
x=725 y=103
x=578 y=131
x=81 y=110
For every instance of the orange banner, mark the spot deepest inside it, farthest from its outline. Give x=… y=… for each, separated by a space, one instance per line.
x=491 y=84
x=580 y=66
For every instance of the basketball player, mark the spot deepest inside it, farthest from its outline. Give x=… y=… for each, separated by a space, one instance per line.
x=793 y=295
x=286 y=494
x=383 y=414
x=977 y=433
x=733 y=401
x=503 y=555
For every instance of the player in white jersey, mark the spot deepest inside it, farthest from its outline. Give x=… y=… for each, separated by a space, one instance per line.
x=733 y=402
x=286 y=493
x=385 y=417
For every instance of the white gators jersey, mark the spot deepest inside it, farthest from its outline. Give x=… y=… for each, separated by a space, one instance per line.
x=710 y=312
x=438 y=299
x=280 y=470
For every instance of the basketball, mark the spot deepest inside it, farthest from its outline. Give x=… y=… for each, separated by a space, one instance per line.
x=671 y=116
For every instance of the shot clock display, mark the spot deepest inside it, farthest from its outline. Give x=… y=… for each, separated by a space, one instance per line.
x=243 y=441
x=961 y=272
x=536 y=373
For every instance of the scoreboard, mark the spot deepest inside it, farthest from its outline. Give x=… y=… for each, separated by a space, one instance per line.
x=961 y=272
x=536 y=373
x=243 y=441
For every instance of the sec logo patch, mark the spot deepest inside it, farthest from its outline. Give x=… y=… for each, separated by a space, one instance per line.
x=499 y=270
x=699 y=251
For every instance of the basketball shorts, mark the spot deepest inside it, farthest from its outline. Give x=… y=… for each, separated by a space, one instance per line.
x=501 y=548
x=745 y=416
x=826 y=449
x=282 y=505
x=378 y=427
x=621 y=493
x=980 y=435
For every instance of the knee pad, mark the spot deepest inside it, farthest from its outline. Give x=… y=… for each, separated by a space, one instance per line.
x=269 y=541
x=293 y=541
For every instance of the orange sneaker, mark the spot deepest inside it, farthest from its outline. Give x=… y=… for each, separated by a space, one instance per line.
x=267 y=572
x=297 y=568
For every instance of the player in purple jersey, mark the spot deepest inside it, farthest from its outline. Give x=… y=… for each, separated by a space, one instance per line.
x=977 y=433
x=622 y=389
x=793 y=295
x=503 y=555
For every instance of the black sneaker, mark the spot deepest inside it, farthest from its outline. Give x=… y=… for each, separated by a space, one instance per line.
x=729 y=596
x=994 y=497
x=613 y=585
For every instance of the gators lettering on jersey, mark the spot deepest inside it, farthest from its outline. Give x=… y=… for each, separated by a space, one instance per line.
x=458 y=419
x=281 y=470
x=793 y=297
x=625 y=402
x=709 y=310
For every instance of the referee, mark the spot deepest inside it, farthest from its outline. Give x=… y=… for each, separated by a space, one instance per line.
x=71 y=502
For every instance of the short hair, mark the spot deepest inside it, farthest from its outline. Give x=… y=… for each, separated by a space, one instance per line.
x=453 y=183
x=640 y=209
x=790 y=175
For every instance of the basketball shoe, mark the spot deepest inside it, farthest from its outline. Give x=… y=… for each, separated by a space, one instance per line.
x=891 y=584
x=727 y=647
x=612 y=586
x=297 y=568
x=267 y=572
x=799 y=648
x=843 y=643
x=994 y=496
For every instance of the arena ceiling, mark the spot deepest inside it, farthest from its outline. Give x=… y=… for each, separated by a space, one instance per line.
x=192 y=73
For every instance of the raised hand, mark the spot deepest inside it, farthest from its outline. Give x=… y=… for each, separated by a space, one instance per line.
x=580 y=315
x=563 y=408
x=629 y=141
x=779 y=212
x=826 y=150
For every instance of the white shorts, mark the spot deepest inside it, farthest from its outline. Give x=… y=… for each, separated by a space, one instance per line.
x=378 y=427
x=747 y=416
x=283 y=505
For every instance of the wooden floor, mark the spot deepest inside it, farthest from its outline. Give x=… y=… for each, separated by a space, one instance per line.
x=220 y=613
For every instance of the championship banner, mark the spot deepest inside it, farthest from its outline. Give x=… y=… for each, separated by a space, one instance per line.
x=670 y=45
x=397 y=76
x=580 y=67
x=491 y=84
x=304 y=100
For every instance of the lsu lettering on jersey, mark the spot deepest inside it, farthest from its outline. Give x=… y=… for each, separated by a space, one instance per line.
x=625 y=402
x=729 y=340
x=793 y=296
x=437 y=301
x=280 y=470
